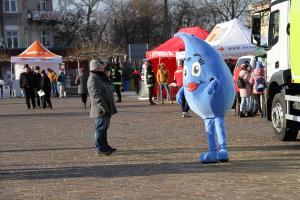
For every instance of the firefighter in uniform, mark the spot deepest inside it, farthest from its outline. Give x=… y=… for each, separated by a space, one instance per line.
x=116 y=76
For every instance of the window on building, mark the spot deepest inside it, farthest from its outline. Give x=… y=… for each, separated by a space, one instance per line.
x=10 y=6
x=12 y=39
x=45 y=37
x=42 y=5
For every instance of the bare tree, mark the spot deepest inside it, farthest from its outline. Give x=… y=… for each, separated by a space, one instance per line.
x=135 y=21
x=117 y=23
x=83 y=19
x=226 y=10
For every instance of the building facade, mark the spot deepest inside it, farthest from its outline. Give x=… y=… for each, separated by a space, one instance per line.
x=252 y=8
x=24 y=21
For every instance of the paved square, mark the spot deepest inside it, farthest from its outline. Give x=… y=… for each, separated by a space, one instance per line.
x=49 y=154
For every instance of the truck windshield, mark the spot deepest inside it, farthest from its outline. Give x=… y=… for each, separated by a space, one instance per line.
x=274 y=28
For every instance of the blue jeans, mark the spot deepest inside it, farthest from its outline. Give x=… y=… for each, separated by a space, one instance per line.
x=166 y=87
x=184 y=106
x=100 y=136
x=245 y=104
x=54 y=89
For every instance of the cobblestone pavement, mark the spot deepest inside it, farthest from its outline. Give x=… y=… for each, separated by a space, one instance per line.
x=49 y=154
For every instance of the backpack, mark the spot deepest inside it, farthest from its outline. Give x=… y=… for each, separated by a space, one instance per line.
x=260 y=84
x=241 y=83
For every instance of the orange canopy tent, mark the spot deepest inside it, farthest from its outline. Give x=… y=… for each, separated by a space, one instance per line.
x=166 y=52
x=36 y=55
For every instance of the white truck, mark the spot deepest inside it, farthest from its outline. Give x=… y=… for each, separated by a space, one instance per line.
x=283 y=65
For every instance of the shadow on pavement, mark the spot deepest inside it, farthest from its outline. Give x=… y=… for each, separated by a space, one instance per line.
x=48 y=114
x=127 y=170
x=266 y=148
x=163 y=151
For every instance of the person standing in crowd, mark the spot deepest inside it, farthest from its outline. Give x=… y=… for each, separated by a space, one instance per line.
x=245 y=92
x=236 y=73
x=37 y=77
x=259 y=84
x=45 y=85
x=136 y=76
x=162 y=78
x=150 y=80
x=116 y=76
x=61 y=84
x=27 y=83
x=102 y=105
x=53 y=79
x=127 y=75
x=1 y=87
x=230 y=64
x=178 y=75
x=81 y=82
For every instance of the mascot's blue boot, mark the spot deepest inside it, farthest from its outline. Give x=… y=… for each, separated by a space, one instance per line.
x=211 y=155
x=221 y=133
x=223 y=155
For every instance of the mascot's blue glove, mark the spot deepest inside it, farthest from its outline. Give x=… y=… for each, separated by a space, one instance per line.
x=211 y=89
x=179 y=95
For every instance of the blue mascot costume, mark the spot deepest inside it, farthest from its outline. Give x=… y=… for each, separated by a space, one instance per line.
x=209 y=90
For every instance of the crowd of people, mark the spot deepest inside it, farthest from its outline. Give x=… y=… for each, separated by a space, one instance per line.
x=38 y=86
x=250 y=85
x=30 y=83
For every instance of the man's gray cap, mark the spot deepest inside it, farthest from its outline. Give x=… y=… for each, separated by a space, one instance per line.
x=95 y=65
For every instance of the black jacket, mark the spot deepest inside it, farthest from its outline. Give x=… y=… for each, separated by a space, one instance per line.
x=27 y=81
x=150 y=78
x=45 y=84
x=116 y=74
x=37 y=80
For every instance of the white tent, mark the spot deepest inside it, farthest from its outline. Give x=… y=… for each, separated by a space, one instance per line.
x=231 y=39
x=35 y=55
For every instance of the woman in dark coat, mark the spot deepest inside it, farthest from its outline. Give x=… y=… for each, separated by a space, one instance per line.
x=81 y=82
x=45 y=85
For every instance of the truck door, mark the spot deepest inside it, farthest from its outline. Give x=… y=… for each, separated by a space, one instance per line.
x=278 y=42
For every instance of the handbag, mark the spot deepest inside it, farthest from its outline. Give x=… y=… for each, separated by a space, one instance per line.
x=41 y=93
x=241 y=83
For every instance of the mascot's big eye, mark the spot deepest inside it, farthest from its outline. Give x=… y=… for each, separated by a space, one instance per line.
x=185 y=72
x=196 y=69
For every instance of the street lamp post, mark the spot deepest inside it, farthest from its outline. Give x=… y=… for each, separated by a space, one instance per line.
x=166 y=19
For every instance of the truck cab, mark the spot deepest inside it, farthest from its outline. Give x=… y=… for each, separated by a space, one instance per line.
x=282 y=67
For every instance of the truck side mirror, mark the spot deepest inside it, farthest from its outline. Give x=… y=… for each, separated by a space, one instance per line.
x=256 y=29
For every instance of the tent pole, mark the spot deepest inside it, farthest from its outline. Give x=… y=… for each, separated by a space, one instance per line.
x=78 y=66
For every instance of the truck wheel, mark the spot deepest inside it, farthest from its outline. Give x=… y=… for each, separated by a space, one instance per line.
x=281 y=126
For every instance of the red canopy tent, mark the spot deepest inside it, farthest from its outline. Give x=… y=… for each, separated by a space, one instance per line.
x=166 y=52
